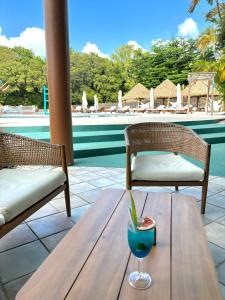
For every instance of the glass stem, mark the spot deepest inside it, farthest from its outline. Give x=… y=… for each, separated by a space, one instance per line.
x=139 y=265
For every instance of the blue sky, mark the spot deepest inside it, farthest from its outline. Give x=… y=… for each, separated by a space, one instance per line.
x=104 y=25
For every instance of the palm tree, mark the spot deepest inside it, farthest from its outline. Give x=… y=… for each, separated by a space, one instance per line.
x=208 y=38
x=194 y=3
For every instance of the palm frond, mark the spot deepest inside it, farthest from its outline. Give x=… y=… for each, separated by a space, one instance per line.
x=194 y=3
x=214 y=12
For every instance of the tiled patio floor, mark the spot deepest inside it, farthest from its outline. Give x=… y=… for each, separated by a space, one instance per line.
x=26 y=247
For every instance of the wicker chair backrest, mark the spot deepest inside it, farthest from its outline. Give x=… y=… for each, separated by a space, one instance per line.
x=20 y=150
x=167 y=137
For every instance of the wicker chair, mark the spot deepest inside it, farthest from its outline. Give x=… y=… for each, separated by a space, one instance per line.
x=169 y=169
x=24 y=190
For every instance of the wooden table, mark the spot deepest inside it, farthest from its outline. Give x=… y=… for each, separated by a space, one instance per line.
x=93 y=261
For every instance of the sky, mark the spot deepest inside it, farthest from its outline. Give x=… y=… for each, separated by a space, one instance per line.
x=101 y=26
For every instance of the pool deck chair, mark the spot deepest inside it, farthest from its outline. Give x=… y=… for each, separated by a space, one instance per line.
x=111 y=109
x=25 y=184
x=123 y=110
x=171 y=168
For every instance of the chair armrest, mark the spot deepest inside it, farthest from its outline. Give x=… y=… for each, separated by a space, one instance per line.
x=19 y=150
x=127 y=141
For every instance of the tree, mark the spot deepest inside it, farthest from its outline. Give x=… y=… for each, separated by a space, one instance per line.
x=170 y=60
x=123 y=58
x=95 y=75
x=208 y=38
x=195 y=3
x=25 y=74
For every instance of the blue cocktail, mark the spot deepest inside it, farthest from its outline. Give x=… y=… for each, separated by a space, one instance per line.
x=140 y=242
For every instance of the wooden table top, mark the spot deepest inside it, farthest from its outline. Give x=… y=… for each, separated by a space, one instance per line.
x=93 y=261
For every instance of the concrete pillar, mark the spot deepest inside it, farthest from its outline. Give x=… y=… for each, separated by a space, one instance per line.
x=57 y=51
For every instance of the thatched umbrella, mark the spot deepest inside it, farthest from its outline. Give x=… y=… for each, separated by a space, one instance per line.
x=166 y=90
x=200 y=88
x=137 y=93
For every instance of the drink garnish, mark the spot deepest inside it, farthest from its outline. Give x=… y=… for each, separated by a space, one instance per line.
x=131 y=220
x=146 y=224
x=133 y=211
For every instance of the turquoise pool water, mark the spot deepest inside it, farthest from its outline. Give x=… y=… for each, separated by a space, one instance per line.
x=104 y=145
x=217 y=165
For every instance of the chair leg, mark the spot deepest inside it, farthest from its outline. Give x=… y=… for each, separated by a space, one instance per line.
x=176 y=188
x=204 y=196
x=129 y=186
x=67 y=201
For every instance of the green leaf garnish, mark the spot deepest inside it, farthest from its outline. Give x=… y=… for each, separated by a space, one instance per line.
x=133 y=210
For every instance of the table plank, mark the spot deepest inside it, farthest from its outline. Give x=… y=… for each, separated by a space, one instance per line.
x=104 y=270
x=193 y=272
x=56 y=275
x=158 y=206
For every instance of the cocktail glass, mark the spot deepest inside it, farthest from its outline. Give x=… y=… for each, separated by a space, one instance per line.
x=140 y=243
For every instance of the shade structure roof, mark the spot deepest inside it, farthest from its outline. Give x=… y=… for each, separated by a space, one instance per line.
x=138 y=92
x=199 y=89
x=166 y=89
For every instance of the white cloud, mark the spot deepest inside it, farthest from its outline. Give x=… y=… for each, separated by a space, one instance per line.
x=136 y=45
x=159 y=42
x=188 y=29
x=31 y=38
x=93 y=48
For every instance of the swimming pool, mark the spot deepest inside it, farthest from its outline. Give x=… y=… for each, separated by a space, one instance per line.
x=104 y=145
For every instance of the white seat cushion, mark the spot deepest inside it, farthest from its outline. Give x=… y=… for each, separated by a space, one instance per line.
x=21 y=188
x=165 y=167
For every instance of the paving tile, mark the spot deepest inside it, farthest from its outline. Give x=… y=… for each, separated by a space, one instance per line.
x=50 y=225
x=73 y=180
x=211 y=177
x=221 y=273
x=118 y=178
x=103 y=182
x=216 y=234
x=105 y=173
x=212 y=213
x=195 y=192
x=217 y=199
x=221 y=221
x=76 y=171
x=75 y=201
x=117 y=186
x=13 y=287
x=215 y=188
x=220 y=180
x=172 y=188
x=81 y=187
x=96 y=169
x=17 y=237
x=91 y=196
x=46 y=210
x=88 y=177
x=222 y=287
x=61 y=195
x=21 y=261
x=52 y=241
x=218 y=253
x=77 y=213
